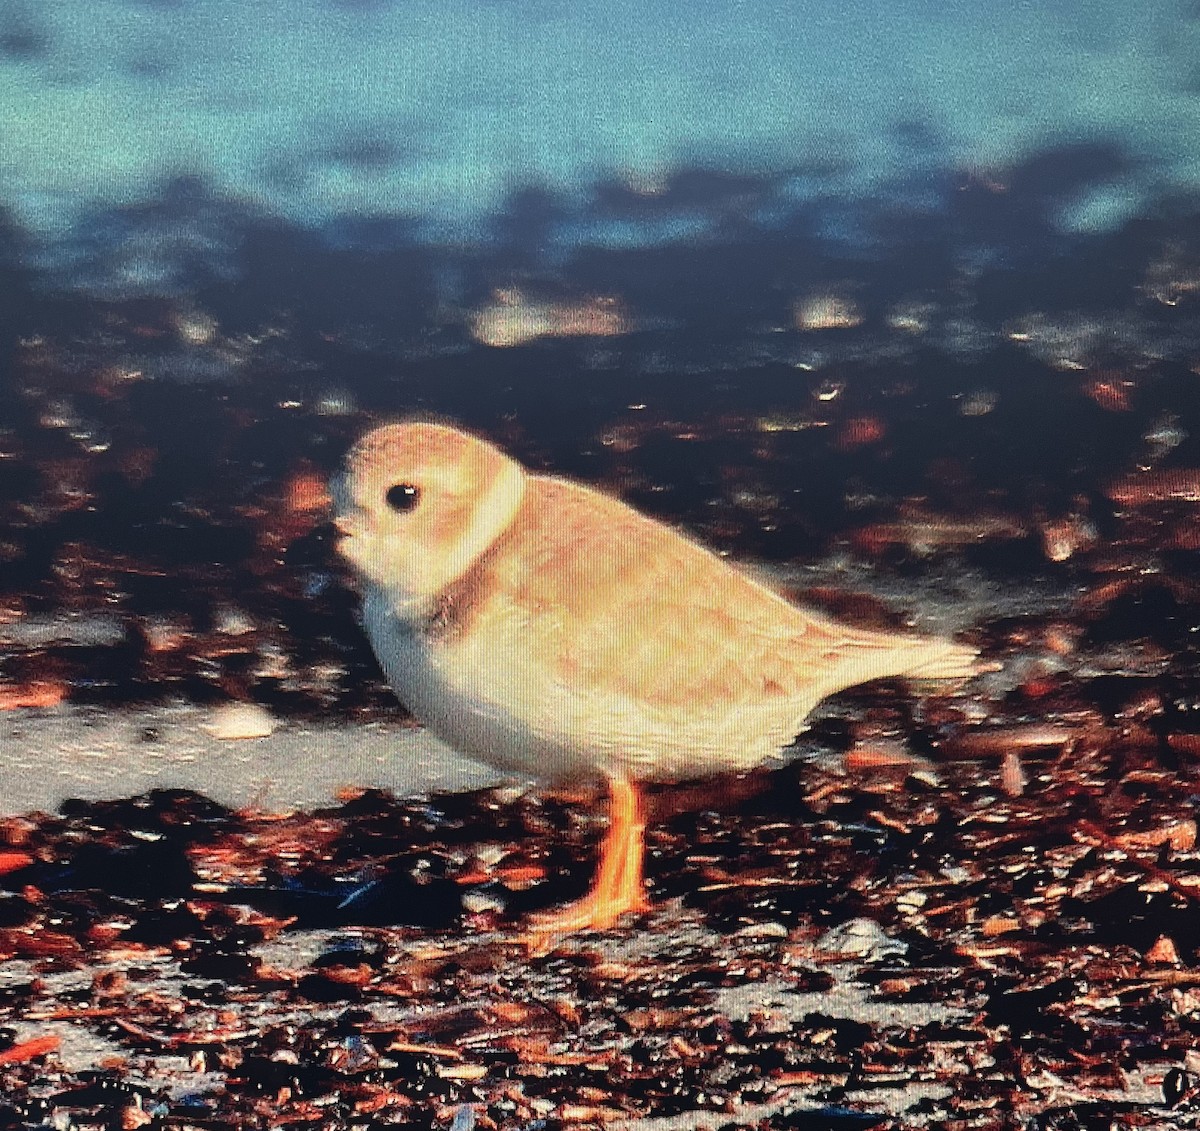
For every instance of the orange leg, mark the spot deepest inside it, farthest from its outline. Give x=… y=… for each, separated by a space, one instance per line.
x=618 y=887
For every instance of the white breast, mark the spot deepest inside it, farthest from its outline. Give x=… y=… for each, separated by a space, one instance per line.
x=464 y=695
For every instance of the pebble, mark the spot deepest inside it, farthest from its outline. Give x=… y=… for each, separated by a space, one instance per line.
x=863 y=938
x=479 y=902
x=240 y=720
x=768 y=930
x=514 y=318
x=1013 y=779
x=826 y=312
x=231 y=621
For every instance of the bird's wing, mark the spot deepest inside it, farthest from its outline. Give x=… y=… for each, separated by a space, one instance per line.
x=620 y=603
x=694 y=637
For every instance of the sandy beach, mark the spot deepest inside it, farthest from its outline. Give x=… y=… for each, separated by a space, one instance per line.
x=50 y=756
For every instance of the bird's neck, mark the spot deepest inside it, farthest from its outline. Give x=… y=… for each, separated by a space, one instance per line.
x=408 y=611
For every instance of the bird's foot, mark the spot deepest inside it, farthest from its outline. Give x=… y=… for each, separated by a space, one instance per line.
x=618 y=888
x=595 y=911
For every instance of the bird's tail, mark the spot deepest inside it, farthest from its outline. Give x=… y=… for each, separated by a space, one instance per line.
x=941 y=659
x=865 y=655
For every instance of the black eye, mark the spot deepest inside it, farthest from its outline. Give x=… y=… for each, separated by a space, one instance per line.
x=403 y=497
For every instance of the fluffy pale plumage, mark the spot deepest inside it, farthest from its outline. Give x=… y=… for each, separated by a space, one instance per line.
x=569 y=635
x=549 y=629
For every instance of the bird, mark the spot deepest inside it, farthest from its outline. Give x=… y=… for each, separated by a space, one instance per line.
x=550 y=630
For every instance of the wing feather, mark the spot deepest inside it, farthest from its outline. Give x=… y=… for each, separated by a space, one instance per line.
x=614 y=602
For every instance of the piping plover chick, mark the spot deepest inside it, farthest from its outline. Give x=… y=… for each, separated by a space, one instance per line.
x=549 y=629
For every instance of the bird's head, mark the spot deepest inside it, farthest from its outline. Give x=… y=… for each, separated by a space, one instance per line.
x=418 y=504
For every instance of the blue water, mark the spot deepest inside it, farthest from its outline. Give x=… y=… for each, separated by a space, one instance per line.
x=441 y=112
